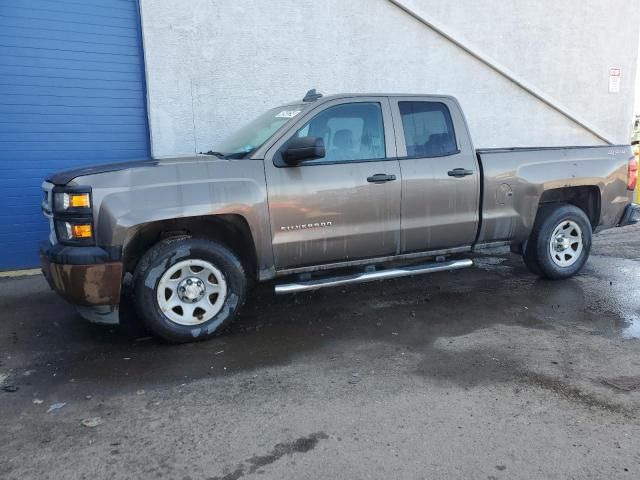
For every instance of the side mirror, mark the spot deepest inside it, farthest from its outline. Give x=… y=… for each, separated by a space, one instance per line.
x=303 y=148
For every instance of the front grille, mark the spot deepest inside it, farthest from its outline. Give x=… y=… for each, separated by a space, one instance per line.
x=47 y=194
x=47 y=209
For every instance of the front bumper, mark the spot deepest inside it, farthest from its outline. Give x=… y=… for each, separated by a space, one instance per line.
x=631 y=215
x=84 y=276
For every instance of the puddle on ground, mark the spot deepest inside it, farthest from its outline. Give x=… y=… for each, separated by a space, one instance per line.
x=611 y=324
x=632 y=329
x=492 y=264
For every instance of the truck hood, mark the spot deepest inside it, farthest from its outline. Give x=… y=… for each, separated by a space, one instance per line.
x=66 y=176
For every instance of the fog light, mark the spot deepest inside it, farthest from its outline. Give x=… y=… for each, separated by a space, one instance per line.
x=81 y=230
x=74 y=231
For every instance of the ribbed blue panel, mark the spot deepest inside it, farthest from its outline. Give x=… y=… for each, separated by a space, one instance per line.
x=72 y=92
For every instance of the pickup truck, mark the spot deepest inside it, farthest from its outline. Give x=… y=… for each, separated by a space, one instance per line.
x=321 y=192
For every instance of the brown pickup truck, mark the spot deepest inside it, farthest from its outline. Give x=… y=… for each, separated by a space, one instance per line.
x=321 y=192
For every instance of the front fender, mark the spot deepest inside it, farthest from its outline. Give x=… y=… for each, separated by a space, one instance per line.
x=129 y=199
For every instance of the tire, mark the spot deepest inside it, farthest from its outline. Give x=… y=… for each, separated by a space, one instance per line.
x=531 y=262
x=188 y=289
x=560 y=242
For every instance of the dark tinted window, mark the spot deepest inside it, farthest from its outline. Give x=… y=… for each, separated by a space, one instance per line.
x=351 y=132
x=428 y=129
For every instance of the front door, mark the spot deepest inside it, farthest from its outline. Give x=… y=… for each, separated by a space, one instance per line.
x=440 y=175
x=342 y=207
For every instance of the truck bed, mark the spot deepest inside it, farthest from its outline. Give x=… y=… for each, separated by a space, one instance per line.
x=516 y=180
x=527 y=149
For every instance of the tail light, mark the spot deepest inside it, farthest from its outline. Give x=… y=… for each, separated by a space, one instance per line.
x=632 y=173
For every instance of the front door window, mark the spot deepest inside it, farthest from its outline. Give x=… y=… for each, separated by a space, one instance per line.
x=351 y=132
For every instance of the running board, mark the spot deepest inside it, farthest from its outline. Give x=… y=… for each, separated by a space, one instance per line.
x=372 y=276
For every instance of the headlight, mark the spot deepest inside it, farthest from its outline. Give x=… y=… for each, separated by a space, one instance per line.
x=74 y=230
x=73 y=214
x=72 y=201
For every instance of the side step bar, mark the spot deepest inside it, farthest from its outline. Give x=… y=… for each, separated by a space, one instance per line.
x=372 y=276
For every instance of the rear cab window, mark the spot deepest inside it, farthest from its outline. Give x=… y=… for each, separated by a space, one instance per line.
x=428 y=129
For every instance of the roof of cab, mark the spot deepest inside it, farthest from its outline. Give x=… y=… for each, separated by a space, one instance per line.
x=312 y=96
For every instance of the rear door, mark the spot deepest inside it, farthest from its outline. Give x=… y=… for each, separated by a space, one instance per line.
x=440 y=175
x=345 y=206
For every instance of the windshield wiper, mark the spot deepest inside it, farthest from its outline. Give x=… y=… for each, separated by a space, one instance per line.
x=217 y=154
x=239 y=155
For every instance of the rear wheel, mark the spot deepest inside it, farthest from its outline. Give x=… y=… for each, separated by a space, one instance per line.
x=560 y=242
x=188 y=289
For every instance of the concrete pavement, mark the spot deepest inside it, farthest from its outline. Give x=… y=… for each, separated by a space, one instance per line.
x=483 y=373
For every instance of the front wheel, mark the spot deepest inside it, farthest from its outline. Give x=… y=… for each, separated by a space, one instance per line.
x=188 y=289
x=560 y=242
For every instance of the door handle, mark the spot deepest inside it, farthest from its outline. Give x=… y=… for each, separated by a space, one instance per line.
x=459 y=172
x=381 y=178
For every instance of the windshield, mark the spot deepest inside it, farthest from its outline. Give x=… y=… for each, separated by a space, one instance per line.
x=246 y=140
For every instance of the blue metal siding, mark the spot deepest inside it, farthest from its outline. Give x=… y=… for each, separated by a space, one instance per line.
x=72 y=92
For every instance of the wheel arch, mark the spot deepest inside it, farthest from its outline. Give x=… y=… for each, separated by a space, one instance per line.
x=587 y=198
x=231 y=230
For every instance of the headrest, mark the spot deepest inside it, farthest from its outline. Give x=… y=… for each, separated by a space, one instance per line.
x=343 y=139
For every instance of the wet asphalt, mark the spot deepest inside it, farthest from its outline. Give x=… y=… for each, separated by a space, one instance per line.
x=483 y=373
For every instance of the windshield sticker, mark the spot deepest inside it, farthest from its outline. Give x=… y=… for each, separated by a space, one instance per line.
x=288 y=113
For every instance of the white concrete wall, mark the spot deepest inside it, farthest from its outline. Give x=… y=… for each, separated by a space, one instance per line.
x=213 y=65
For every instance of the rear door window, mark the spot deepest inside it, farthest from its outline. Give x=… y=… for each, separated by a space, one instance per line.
x=428 y=129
